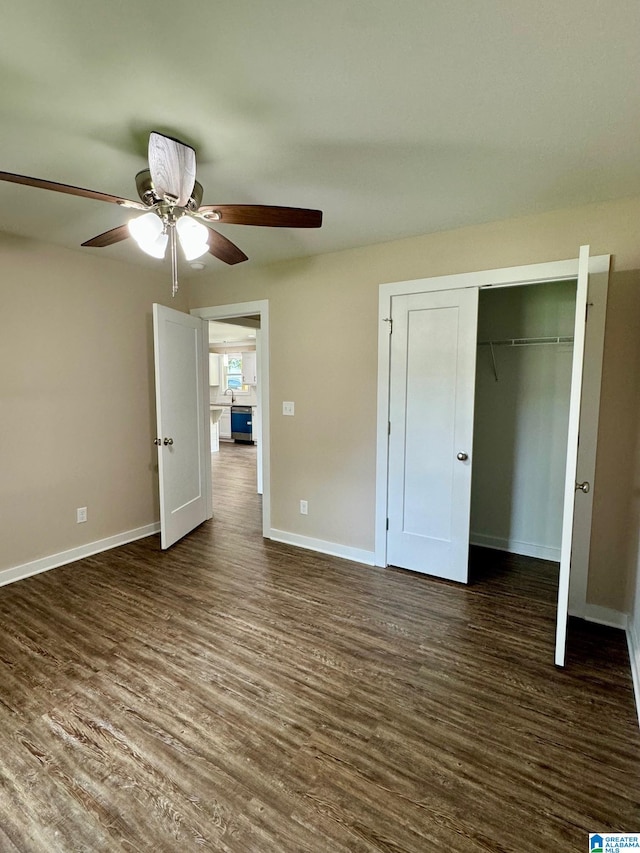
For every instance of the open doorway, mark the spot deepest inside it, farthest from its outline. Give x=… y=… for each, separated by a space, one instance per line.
x=233 y=381
x=522 y=395
x=239 y=379
x=234 y=400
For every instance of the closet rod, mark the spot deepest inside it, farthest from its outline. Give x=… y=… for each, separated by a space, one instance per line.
x=521 y=342
x=527 y=342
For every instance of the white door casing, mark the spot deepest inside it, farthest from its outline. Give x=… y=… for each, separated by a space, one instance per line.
x=432 y=383
x=257 y=426
x=182 y=422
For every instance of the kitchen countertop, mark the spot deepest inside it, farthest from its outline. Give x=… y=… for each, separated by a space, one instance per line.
x=228 y=405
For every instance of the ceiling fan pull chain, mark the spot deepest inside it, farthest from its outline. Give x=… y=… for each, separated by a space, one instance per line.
x=174 y=258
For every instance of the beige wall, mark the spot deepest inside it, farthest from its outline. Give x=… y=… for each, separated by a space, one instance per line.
x=323 y=357
x=614 y=537
x=76 y=391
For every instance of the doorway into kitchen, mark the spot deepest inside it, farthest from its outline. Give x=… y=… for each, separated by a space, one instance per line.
x=238 y=396
x=233 y=395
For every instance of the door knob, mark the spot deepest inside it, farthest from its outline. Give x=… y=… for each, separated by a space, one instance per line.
x=462 y=456
x=583 y=487
x=157 y=441
x=168 y=441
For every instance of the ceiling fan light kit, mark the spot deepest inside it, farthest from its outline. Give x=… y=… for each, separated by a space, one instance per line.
x=150 y=234
x=172 y=199
x=193 y=237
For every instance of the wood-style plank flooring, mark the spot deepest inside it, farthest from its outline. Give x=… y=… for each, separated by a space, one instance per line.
x=239 y=695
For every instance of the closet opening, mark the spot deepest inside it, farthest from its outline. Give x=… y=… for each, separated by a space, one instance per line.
x=522 y=394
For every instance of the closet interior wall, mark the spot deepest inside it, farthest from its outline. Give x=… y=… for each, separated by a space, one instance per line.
x=521 y=417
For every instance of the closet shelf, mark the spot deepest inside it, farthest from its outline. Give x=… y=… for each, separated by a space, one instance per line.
x=522 y=342
x=527 y=342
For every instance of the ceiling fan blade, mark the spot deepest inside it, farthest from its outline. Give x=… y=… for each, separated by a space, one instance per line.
x=173 y=168
x=41 y=184
x=262 y=214
x=224 y=249
x=108 y=238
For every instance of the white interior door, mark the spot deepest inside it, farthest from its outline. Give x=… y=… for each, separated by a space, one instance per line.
x=257 y=426
x=572 y=455
x=182 y=413
x=589 y=419
x=431 y=396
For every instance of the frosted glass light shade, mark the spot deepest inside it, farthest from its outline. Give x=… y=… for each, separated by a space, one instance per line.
x=148 y=232
x=158 y=247
x=193 y=237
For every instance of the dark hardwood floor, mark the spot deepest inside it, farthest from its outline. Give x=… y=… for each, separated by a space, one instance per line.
x=234 y=694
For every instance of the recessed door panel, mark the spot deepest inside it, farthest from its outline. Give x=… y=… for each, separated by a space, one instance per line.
x=181 y=422
x=431 y=416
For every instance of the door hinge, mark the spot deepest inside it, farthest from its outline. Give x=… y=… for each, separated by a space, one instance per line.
x=389 y=320
x=387 y=524
x=389 y=428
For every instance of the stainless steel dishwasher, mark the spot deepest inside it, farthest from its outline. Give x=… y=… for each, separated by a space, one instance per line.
x=241 y=424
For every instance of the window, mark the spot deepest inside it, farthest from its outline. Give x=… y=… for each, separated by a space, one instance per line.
x=233 y=372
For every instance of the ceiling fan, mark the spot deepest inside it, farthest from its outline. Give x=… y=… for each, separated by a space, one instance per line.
x=172 y=199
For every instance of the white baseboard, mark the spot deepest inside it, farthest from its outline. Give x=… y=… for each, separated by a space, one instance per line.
x=514 y=546
x=332 y=548
x=633 y=642
x=604 y=616
x=54 y=560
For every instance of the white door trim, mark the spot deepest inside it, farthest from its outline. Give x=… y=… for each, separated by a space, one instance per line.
x=242 y=309
x=204 y=339
x=506 y=277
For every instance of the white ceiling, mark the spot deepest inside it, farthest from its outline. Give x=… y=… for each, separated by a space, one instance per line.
x=395 y=117
x=226 y=333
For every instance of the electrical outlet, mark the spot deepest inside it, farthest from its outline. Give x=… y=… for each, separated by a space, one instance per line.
x=288 y=408
x=81 y=514
x=304 y=508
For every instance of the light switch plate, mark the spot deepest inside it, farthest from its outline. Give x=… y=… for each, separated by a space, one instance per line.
x=288 y=408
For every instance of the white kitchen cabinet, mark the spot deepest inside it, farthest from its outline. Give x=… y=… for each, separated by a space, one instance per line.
x=249 y=375
x=215 y=437
x=214 y=368
x=224 y=423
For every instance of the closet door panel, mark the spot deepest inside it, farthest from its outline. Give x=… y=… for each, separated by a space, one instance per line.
x=432 y=381
x=572 y=456
x=586 y=468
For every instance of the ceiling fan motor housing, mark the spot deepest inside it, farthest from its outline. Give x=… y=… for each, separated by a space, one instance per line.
x=148 y=195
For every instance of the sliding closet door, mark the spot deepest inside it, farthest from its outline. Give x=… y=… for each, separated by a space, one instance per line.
x=572 y=456
x=431 y=394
